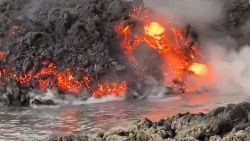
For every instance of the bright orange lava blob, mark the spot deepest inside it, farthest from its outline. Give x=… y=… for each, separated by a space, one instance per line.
x=199 y=69
x=154 y=29
x=179 y=53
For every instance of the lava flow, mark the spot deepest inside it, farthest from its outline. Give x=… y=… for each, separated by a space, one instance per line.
x=49 y=76
x=65 y=81
x=180 y=56
x=110 y=88
x=199 y=69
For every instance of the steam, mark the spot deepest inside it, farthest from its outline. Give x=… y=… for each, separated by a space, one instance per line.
x=231 y=69
x=246 y=27
x=198 y=12
x=155 y=89
x=52 y=95
x=223 y=49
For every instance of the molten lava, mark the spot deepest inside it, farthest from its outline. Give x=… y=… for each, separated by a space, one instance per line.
x=112 y=88
x=199 y=69
x=154 y=29
x=49 y=76
x=178 y=53
x=65 y=81
x=179 y=56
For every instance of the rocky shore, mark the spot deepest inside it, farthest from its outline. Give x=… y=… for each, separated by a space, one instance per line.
x=230 y=123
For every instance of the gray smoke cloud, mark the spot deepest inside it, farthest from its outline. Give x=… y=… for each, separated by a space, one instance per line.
x=222 y=50
x=231 y=68
x=198 y=12
x=1 y=1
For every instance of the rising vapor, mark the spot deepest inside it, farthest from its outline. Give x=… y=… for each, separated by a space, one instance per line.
x=226 y=50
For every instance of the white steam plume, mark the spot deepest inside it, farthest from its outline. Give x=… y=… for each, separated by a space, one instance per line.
x=231 y=69
x=198 y=12
x=230 y=62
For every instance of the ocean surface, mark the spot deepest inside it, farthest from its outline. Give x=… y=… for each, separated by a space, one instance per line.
x=96 y=115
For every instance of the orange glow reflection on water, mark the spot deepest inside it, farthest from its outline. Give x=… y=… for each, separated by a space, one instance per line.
x=193 y=103
x=68 y=121
x=104 y=116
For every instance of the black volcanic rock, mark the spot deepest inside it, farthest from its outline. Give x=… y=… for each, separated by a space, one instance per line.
x=70 y=34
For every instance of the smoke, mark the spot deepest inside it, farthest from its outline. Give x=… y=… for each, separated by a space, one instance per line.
x=246 y=27
x=154 y=88
x=1 y=2
x=226 y=49
x=231 y=68
x=195 y=12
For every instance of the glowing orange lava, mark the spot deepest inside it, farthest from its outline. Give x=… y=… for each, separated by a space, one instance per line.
x=199 y=69
x=110 y=88
x=179 y=59
x=49 y=76
x=65 y=80
x=154 y=29
x=179 y=55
